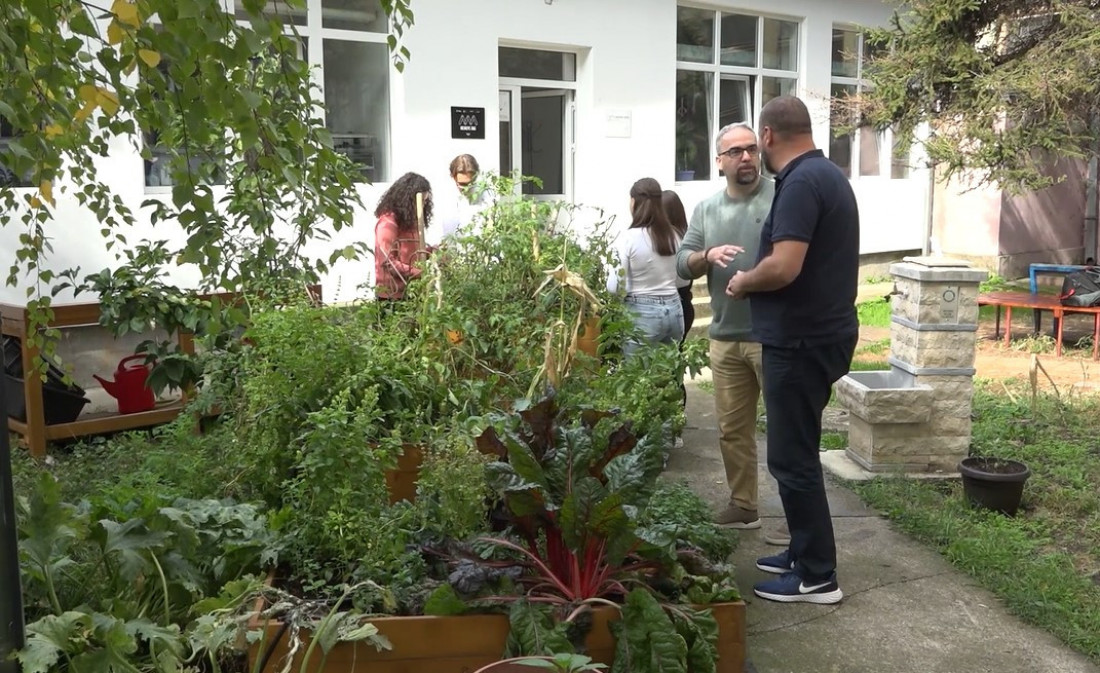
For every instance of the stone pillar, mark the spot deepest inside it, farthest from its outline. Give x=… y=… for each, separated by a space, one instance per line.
x=916 y=416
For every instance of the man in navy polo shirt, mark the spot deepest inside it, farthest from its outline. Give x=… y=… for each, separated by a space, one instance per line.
x=802 y=295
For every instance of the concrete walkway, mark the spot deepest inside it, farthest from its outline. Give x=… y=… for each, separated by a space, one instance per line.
x=906 y=609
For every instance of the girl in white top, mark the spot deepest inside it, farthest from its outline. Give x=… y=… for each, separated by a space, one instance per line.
x=647 y=261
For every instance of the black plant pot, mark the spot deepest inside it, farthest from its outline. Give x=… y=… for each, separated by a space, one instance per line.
x=994 y=483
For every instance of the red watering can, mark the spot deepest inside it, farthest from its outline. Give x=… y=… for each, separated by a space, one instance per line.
x=129 y=386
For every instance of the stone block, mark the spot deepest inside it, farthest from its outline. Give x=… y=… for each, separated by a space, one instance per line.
x=945 y=463
x=948 y=387
x=904 y=443
x=947 y=426
x=889 y=465
x=923 y=349
x=938 y=303
x=885 y=397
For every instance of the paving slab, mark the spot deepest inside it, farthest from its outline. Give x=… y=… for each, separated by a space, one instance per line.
x=906 y=609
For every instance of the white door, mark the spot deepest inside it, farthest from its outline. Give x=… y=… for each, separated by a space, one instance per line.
x=537 y=138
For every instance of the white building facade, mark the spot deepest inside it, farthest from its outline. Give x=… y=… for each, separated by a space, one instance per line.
x=588 y=95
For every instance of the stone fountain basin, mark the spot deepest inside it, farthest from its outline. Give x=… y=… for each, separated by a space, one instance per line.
x=889 y=396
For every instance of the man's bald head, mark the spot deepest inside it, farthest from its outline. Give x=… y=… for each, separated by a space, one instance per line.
x=787 y=117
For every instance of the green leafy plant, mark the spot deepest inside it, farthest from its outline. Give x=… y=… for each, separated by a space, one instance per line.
x=115 y=587
x=645 y=388
x=572 y=484
x=539 y=276
x=226 y=102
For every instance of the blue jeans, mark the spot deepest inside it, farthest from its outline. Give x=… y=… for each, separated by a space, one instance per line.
x=659 y=319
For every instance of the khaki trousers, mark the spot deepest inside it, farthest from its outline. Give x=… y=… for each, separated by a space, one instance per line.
x=738 y=380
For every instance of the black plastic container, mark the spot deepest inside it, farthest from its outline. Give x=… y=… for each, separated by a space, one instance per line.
x=994 y=483
x=60 y=403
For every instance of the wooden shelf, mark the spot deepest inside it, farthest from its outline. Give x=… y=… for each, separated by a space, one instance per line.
x=35 y=432
x=96 y=424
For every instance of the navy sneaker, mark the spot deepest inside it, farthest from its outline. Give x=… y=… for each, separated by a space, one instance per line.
x=790 y=588
x=778 y=564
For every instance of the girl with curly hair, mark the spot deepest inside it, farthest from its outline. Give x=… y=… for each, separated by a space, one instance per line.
x=397 y=237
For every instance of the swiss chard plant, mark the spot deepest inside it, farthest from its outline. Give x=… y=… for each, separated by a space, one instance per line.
x=575 y=487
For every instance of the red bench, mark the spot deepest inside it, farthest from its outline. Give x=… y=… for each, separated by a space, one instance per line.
x=1039 y=302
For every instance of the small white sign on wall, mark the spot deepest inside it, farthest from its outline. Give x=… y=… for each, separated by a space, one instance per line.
x=618 y=124
x=504 y=106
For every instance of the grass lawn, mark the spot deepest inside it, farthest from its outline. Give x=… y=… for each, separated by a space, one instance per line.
x=1045 y=562
x=874 y=313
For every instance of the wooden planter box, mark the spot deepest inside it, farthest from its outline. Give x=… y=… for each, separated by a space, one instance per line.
x=401 y=482
x=468 y=642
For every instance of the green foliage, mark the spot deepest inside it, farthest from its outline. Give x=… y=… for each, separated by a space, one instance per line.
x=1041 y=563
x=676 y=511
x=227 y=103
x=309 y=366
x=834 y=440
x=645 y=388
x=535 y=631
x=1004 y=84
x=581 y=494
x=504 y=266
x=874 y=313
x=572 y=488
x=645 y=639
x=993 y=283
x=135 y=299
x=115 y=588
x=452 y=493
x=869 y=365
x=336 y=491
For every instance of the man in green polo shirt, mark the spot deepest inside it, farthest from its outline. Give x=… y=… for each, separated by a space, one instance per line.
x=723 y=238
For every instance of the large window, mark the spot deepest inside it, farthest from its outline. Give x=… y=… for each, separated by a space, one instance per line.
x=727 y=67
x=866 y=152
x=351 y=43
x=345 y=42
x=357 y=102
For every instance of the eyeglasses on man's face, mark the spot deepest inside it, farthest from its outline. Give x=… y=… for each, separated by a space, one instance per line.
x=739 y=152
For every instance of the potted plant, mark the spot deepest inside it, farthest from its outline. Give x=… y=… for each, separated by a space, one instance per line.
x=994 y=483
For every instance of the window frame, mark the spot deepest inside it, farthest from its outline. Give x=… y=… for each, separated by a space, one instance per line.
x=754 y=74
x=886 y=156
x=311 y=35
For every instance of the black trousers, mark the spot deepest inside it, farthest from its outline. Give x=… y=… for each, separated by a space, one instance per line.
x=689 y=318
x=689 y=309
x=797 y=386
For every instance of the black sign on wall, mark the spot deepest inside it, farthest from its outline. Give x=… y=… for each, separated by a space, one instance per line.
x=468 y=122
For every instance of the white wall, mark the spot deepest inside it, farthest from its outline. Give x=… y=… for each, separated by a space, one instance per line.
x=626 y=62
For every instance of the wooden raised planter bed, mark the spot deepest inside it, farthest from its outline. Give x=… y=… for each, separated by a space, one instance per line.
x=401 y=482
x=466 y=643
